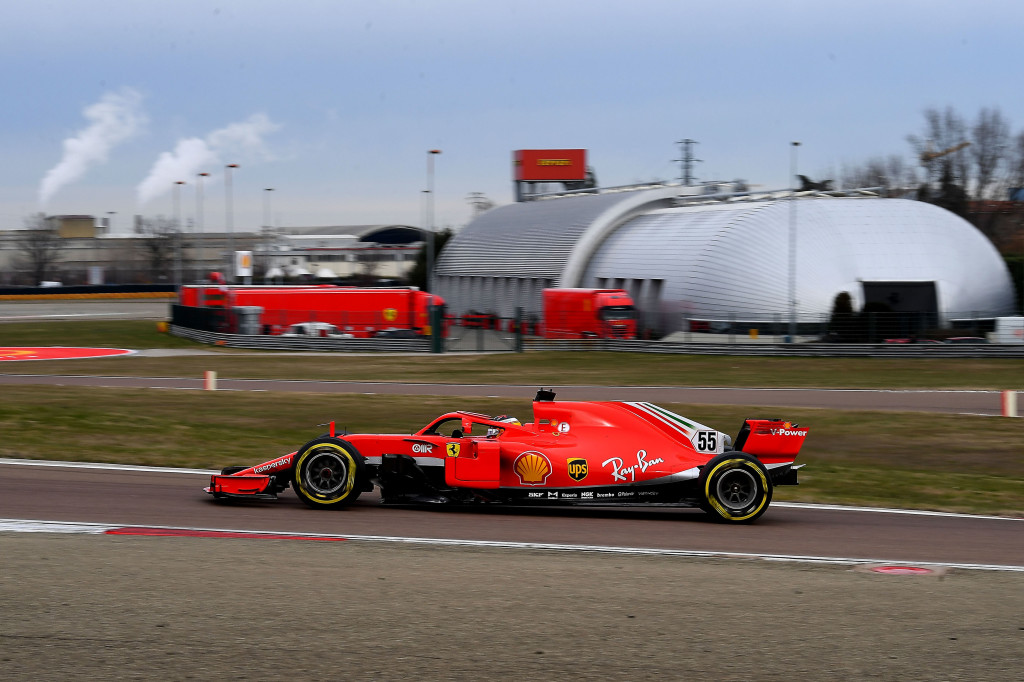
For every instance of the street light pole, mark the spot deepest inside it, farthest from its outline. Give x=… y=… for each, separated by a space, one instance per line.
x=792 y=242
x=265 y=237
x=266 y=208
x=430 y=218
x=199 y=201
x=229 y=220
x=200 y=228
x=177 y=232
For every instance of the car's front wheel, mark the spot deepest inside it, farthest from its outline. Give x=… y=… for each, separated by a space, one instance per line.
x=735 y=487
x=328 y=473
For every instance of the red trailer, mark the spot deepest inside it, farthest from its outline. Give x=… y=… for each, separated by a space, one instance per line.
x=589 y=313
x=360 y=311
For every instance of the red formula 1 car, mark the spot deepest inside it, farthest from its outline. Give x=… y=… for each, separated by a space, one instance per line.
x=572 y=453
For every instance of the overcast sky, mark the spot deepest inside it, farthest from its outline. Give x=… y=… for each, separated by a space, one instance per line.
x=334 y=104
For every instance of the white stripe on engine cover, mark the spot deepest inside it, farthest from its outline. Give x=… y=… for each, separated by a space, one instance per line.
x=422 y=461
x=676 y=421
x=687 y=475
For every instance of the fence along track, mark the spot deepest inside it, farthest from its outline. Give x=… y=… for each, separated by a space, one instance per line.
x=268 y=342
x=867 y=350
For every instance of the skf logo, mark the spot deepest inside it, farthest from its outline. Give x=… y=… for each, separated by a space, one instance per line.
x=577 y=469
x=453 y=449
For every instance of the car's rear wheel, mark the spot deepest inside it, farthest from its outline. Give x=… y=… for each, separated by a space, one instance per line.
x=328 y=473
x=735 y=488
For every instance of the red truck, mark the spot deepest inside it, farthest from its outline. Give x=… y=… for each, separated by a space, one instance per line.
x=360 y=311
x=588 y=313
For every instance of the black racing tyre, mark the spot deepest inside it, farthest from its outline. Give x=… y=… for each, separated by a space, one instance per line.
x=735 y=488
x=328 y=473
x=227 y=471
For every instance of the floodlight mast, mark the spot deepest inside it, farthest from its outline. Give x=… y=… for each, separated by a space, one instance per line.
x=791 y=337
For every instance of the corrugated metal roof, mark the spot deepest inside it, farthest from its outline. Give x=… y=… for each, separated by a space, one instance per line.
x=531 y=239
x=719 y=260
x=723 y=261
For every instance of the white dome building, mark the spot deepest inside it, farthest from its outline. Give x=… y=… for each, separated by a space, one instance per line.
x=726 y=258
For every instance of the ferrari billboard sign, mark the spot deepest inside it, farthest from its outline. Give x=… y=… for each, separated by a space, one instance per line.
x=550 y=165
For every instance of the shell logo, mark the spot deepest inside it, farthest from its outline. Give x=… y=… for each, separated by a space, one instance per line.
x=390 y=314
x=532 y=468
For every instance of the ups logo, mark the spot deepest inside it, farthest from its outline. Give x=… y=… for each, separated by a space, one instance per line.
x=577 y=469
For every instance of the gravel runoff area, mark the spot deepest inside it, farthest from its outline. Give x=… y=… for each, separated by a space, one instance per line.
x=180 y=608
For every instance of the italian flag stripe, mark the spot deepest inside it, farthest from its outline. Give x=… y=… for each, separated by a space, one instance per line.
x=671 y=415
x=670 y=420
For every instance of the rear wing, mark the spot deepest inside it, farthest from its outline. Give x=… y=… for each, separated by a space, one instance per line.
x=771 y=439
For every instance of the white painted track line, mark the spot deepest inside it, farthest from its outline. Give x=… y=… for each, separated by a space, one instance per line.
x=36 y=526
x=101 y=465
x=783 y=505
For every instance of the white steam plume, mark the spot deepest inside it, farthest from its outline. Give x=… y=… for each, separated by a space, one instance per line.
x=238 y=141
x=117 y=117
x=190 y=155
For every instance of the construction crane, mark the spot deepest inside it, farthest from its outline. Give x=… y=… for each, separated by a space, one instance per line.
x=928 y=155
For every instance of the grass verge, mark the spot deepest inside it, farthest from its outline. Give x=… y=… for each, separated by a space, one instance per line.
x=105 y=333
x=534 y=369
x=906 y=460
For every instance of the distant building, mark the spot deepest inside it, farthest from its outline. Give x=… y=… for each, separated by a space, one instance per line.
x=89 y=253
x=327 y=253
x=725 y=258
x=75 y=226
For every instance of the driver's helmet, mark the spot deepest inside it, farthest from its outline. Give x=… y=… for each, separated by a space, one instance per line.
x=494 y=430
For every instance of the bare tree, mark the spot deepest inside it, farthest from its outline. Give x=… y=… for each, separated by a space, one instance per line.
x=941 y=148
x=369 y=263
x=990 y=137
x=159 y=246
x=890 y=173
x=39 y=247
x=1014 y=178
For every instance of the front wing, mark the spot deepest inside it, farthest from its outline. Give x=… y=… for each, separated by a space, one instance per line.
x=249 y=486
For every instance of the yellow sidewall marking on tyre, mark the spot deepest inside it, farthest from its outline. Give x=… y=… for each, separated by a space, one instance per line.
x=350 y=464
x=722 y=510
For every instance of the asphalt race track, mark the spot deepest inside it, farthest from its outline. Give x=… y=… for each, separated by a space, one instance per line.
x=145 y=498
x=424 y=594
x=951 y=402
